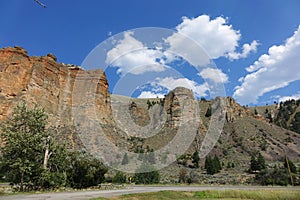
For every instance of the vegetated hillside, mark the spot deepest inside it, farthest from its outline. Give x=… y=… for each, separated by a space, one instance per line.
x=288 y=115
x=244 y=134
x=73 y=98
x=284 y=114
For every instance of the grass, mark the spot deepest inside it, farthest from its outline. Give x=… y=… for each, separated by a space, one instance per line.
x=212 y=194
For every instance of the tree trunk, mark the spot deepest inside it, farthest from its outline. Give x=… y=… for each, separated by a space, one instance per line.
x=47 y=153
x=289 y=170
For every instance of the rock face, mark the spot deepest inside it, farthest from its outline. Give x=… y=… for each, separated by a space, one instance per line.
x=233 y=110
x=179 y=104
x=43 y=81
x=71 y=95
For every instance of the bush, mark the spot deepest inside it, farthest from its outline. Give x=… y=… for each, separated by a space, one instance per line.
x=182 y=176
x=272 y=177
x=119 y=178
x=146 y=174
x=257 y=163
x=85 y=171
x=212 y=165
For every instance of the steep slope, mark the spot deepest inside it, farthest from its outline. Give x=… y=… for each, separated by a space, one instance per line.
x=74 y=98
x=49 y=84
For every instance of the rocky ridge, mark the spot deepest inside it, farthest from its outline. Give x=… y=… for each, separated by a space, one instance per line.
x=64 y=89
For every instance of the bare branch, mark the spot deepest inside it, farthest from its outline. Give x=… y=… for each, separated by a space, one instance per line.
x=40 y=3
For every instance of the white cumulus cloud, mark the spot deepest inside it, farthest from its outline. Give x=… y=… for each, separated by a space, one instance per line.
x=215 y=75
x=150 y=94
x=285 y=98
x=171 y=83
x=131 y=56
x=217 y=38
x=271 y=71
x=247 y=49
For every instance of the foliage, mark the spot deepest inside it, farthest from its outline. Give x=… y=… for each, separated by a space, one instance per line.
x=277 y=176
x=272 y=177
x=292 y=166
x=196 y=159
x=182 y=176
x=208 y=112
x=85 y=170
x=257 y=163
x=295 y=124
x=23 y=154
x=150 y=104
x=119 y=178
x=31 y=160
x=285 y=112
x=212 y=165
x=146 y=174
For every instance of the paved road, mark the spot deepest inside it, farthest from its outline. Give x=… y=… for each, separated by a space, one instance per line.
x=131 y=189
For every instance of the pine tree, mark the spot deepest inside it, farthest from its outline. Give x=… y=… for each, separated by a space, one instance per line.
x=196 y=159
x=217 y=164
x=292 y=166
x=212 y=166
x=257 y=164
x=208 y=112
x=261 y=162
x=253 y=164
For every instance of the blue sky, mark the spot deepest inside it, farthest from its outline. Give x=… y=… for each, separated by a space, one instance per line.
x=254 y=44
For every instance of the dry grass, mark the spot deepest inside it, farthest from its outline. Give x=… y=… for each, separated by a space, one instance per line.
x=224 y=195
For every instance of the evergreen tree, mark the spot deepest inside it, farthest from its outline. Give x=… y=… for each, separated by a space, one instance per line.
x=196 y=159
x=208 y=112
x=266 y=111
x=269 y=116
x=212 y=166
x=253 y=164
x=257 y=164
x=261 y=163
x=207 y=163
x=217 y=164
x=292 y=166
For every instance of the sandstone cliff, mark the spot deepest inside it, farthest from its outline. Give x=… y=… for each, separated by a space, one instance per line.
x=44 y=81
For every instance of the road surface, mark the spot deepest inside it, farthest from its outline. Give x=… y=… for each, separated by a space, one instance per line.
x=84 y=195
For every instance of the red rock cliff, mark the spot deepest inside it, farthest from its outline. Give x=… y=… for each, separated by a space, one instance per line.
x=44 y=81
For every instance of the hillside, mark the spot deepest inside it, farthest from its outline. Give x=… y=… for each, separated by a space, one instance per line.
x=74 y=99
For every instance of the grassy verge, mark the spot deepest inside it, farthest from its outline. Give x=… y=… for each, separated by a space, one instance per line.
x=212 y=194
